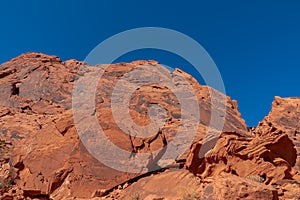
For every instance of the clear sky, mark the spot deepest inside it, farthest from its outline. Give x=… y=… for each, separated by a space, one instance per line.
x=255 y=44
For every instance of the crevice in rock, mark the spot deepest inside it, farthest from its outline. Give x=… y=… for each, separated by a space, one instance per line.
x=15 y=89
x=35 y=194
x=7 y=73
x=234 y=172
x=129 y=182
x=27 y=107
x=64 y=130
x=59 y=179
x=19 y=165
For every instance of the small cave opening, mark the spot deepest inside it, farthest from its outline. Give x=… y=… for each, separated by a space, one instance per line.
x=15 y=89
x=234 y=172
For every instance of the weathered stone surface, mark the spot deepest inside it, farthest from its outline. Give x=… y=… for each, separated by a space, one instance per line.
x=43 y=157
x=271 y=156
x=171 y=184
x=227 y=186
x=285 y=117
x=180 y=184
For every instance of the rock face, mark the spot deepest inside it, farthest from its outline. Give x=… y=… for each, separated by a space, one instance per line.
x=270 y=156
x=180 y=184
x=284 y=117
x=42 y=154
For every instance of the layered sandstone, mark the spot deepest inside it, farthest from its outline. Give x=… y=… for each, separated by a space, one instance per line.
x=42 y=155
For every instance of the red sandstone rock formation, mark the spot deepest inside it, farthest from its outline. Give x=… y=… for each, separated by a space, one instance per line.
x=43 y=157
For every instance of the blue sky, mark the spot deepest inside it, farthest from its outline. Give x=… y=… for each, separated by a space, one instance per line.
x=255 y=44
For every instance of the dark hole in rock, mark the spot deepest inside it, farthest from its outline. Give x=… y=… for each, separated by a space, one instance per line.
x=15 y=90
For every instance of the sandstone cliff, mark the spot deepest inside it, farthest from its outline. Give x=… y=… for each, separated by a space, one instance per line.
x=43 y=157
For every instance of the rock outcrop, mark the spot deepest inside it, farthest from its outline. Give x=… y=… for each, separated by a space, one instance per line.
x=284 y=117
x=43 y=157
x=270 y=156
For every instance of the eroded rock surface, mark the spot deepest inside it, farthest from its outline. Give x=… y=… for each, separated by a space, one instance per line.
x=284 y=117
x=43 y=157
x=270 y=156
